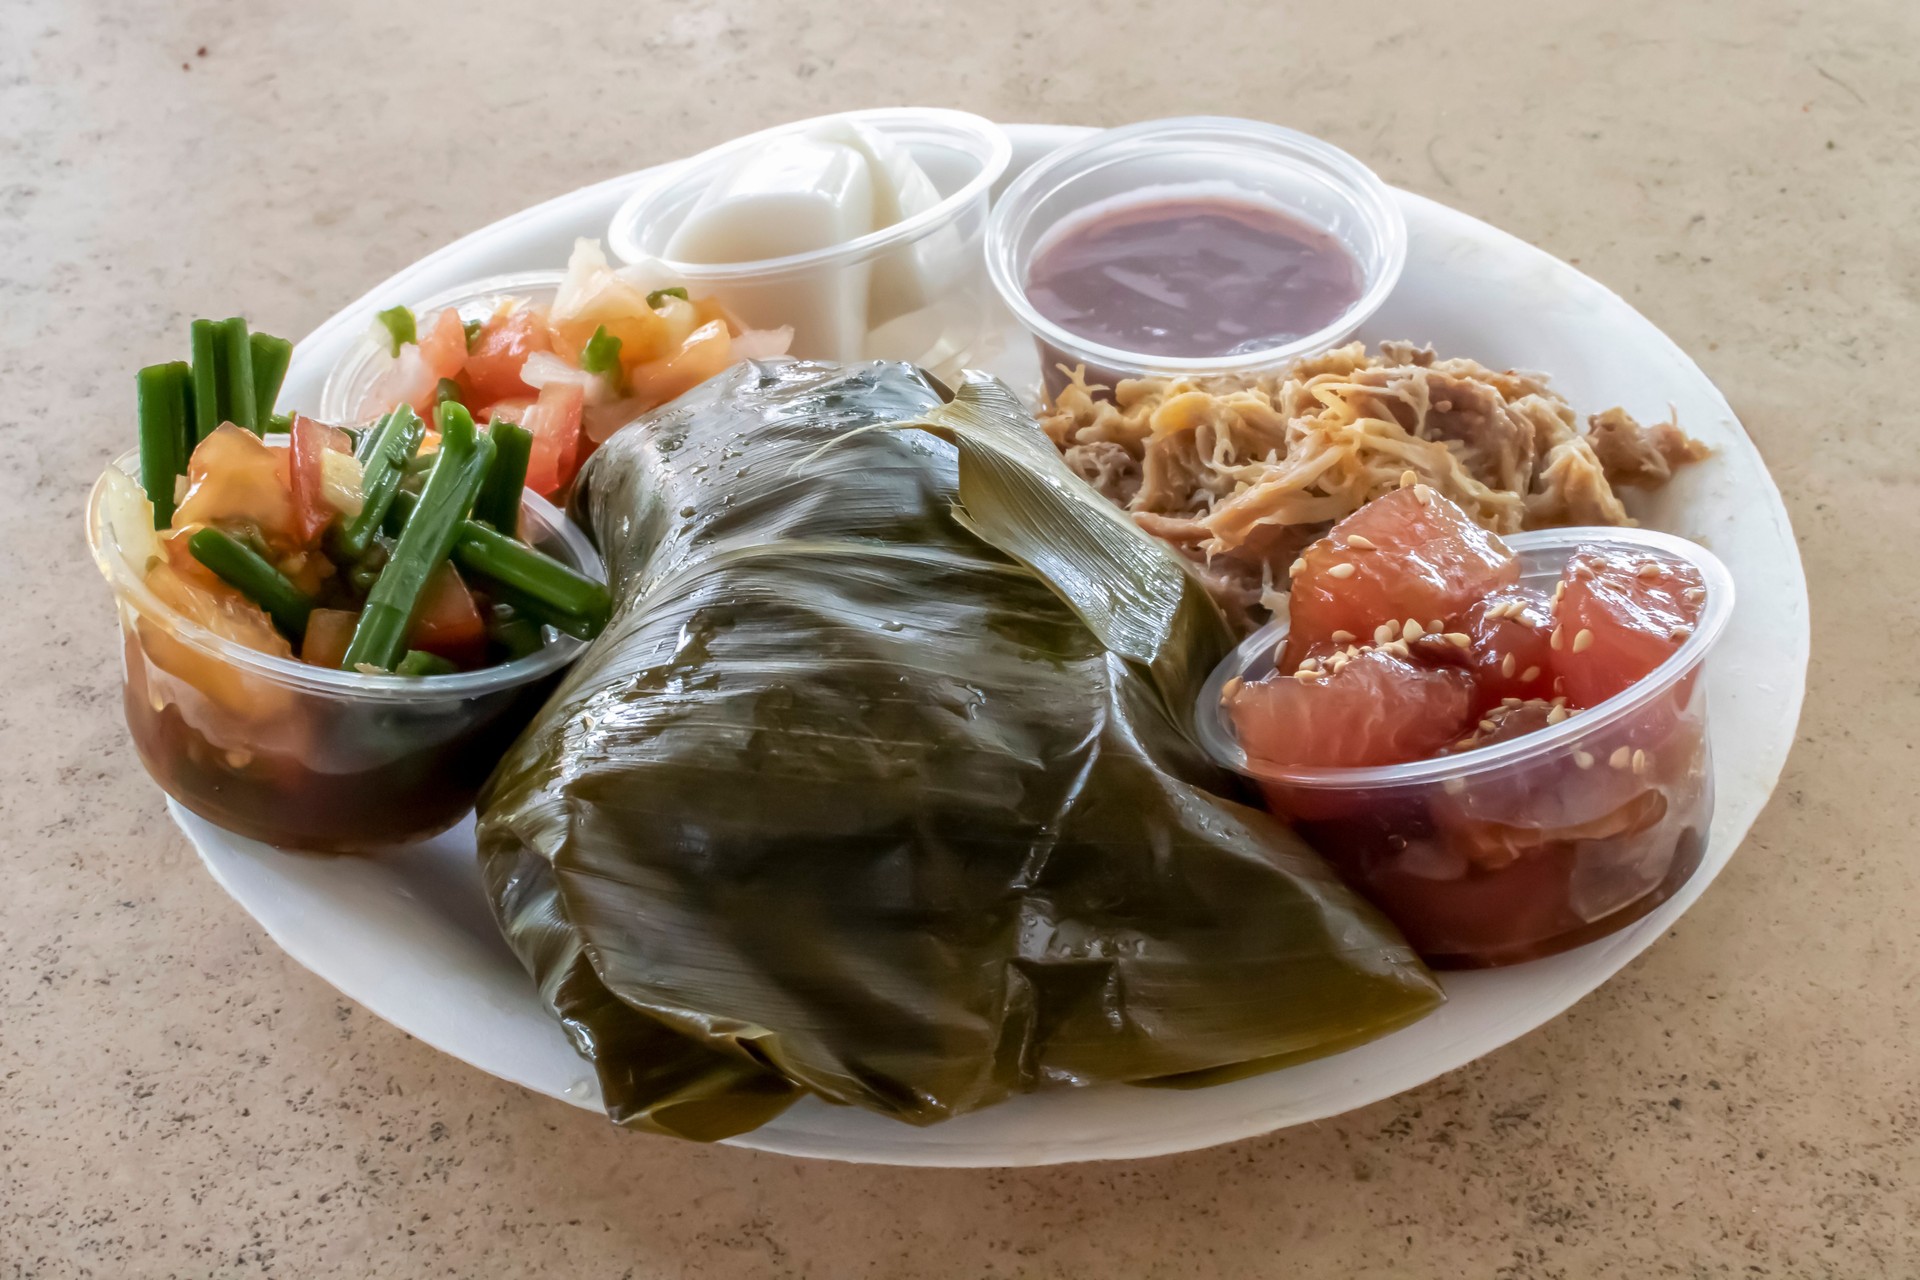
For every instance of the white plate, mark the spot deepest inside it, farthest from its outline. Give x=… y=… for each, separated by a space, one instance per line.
x=410 y=936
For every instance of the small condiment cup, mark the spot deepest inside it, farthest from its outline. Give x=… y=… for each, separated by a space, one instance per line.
x=1194 y=156
x=308 y=757
x=1533 y=845
x=962 y=154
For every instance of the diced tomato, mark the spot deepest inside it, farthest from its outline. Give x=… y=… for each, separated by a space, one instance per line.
x=1510 y=650
x=554 y=421
x=1619 y=618
x=312 y=513
x=329 y=632
x=1409 y=554
x=1375 y=709
x=708 y=350
x=448 y=622
x=500 y=350
x=443 y=344
x=234 y=478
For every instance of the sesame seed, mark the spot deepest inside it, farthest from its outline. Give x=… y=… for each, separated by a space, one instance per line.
x=1398 y=649
x=1556 y=715
x=1459 y=639
x=1411 y=630
x=1583 y=641
x=1680 y=632
x=1652 y=569
x=1555 y=640
x=1361 y=542
x=1621 y=758
x=1559 y=684
x=1436 y=625
x=1230 y=688
x=1297 y=568
x=1343 y=637
x=1386 y=631
x=1407 y=479
x=1694 y=595
x=1341 y=570
x=1584 y=759
x=1340 y=661
x=1559 y=589
x=1530 y=674
x=1486 y=726
x=1423 y=493
x=1507 y=664
x=1639 y=761
x=1512 y=702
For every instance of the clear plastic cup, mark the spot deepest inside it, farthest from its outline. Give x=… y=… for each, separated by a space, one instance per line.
x=342 y=398
x=1533 y=845
x=915 y=291
x=303 y=756
x=1193 y=156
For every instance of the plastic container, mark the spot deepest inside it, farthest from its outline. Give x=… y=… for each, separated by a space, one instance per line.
x=368 y=358
x=940 y=330
x=1194 y=156
x=1533 y=845
x=302 y=756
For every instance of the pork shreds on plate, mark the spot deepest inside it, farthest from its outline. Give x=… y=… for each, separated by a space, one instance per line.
x=1240 y=474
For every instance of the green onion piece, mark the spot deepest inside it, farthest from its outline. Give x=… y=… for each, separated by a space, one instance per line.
x=458 y=470
x=658 y=296
x=271 y=356
x=499 y=500
x=418 y=662
x=236 y=376
x=447 y=391
x=165 y=430
x=243 y=569
x=601 y=357
x=278 y=424
x=529 y=580
x=473 y=328
x=515 y=632
x=398 y=322
x=204 y=341
x=384 y=453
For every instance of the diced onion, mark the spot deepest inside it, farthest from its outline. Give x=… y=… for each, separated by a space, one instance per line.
x=340 y=482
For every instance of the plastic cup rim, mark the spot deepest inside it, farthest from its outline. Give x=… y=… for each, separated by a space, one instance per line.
x=991 y=146
x=1359 y=181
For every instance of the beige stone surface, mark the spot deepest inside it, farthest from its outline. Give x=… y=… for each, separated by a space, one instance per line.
x=179 y=1099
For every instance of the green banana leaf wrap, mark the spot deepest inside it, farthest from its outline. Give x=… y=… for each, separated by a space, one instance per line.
x=849 y=801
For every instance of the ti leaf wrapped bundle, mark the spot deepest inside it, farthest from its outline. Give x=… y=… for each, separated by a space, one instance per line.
x=848 y=799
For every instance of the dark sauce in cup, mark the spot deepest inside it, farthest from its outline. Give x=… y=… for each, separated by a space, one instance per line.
x=1189 y=278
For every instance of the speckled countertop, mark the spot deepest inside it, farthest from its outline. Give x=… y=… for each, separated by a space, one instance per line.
x=179 y=1099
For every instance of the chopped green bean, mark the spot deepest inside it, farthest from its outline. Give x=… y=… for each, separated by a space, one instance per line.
x=458 y=470
x=271 y=356
x=384 y=452
x=166 y=429
x=278 y=423
x=398 y=322
x=447 y=391
x=529 y=580
x=658 y=296
x=243 y=569
x=499 y=500
x=204 y=342
x=237 y=403
x=418 y=662
x=472 y=329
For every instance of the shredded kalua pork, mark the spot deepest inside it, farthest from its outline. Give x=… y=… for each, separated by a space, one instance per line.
x=1240 y=474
